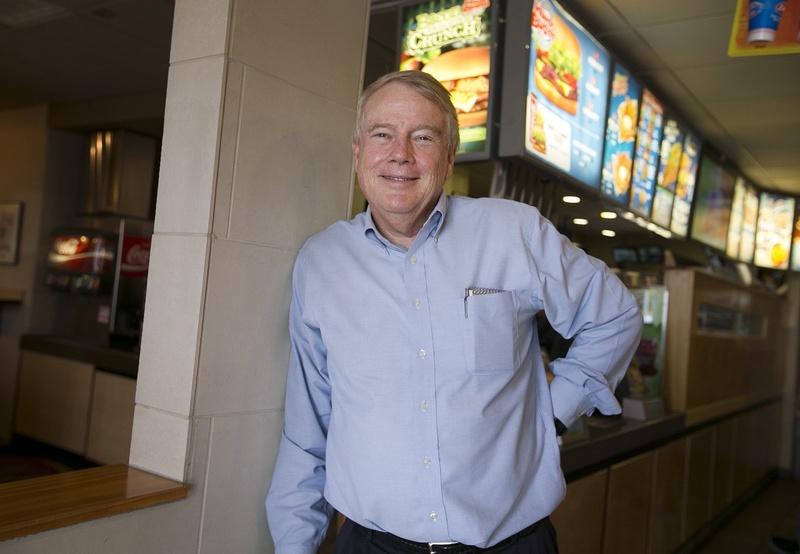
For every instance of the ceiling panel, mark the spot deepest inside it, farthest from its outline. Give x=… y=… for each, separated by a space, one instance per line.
x=754 y=78
x=639 y=13
x=707 y=43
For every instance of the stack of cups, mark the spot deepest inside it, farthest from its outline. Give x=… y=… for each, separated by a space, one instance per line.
x=764 y=16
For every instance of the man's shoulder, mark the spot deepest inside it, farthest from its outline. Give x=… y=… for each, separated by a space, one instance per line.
x=492 y=207
x=338 y=234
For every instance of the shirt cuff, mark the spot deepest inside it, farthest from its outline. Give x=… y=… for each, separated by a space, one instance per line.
x=569 y=403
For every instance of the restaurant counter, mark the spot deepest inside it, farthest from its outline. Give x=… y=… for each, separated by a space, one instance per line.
x=113 y=360
x=613 y=438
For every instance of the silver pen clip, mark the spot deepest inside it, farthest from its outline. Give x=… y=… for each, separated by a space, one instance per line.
x=473 y=291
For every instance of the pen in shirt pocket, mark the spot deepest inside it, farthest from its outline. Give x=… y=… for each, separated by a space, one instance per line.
x=475 y=291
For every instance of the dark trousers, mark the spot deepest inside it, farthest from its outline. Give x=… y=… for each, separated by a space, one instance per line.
x=355 y=539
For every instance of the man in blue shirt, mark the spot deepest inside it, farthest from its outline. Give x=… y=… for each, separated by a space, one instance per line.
x=417 y=404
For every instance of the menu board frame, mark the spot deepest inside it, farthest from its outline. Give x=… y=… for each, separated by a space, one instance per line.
x=518 y=118
x=448 y=32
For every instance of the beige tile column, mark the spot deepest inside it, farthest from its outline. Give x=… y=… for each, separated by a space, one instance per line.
x=256 y=158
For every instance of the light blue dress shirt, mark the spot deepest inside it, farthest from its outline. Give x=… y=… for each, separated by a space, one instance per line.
x=420 y=408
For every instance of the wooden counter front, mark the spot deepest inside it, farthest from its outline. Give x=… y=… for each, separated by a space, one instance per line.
x=723 y=345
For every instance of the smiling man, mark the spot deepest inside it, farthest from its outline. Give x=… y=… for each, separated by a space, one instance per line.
x=417 y=404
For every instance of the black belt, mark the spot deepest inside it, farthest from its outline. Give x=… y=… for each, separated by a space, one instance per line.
x=449 y=548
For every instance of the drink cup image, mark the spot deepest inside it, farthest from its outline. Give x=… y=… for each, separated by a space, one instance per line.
x=763 y=19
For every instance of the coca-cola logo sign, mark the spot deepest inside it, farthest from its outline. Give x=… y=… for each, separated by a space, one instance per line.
x=135 y=256
x=138 y=254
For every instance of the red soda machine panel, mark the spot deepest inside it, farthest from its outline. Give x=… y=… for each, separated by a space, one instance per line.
x=135 y=257
x=82 y=262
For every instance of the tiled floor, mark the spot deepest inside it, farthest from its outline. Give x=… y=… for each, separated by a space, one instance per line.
x=772 y=512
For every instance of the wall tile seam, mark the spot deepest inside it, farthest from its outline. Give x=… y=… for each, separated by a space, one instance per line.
x=169 y=413
x=243 y=413
x=268 y=245
x=293 y=84
x=187 y=61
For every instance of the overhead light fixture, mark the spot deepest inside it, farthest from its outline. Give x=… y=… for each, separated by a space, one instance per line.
x=570 y=199
x=580 y=221
x=608 y=215
x=608 y=233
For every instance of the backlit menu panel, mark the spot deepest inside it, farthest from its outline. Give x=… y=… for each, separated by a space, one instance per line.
x=713 y=199
x=774 y=231
x=623 y=116
x=567 y=94
x=645 y=160
x=684 y=187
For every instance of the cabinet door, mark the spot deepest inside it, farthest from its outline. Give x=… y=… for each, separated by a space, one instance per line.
x=112 y=418
x=579 y=518
x=722 y=493
x=53 y=400
x=627 y=505
x=698 y=489
x=666 y=508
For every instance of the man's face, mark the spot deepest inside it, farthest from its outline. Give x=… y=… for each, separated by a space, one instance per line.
x=401 y=159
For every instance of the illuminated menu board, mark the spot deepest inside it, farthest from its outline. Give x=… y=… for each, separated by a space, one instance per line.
x=451 y=40
x=712 y=203
x=623 y=115
x=737 y=217
x=747 y=241
x=672 y=138
x=774 y=231
x=645 y=158
x=567 y=94
x=684 y=188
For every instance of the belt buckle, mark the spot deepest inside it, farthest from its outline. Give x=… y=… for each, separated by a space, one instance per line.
x=432 y=546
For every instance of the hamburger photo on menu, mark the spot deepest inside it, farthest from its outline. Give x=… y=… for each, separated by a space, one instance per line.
x=558 y=60
x=464 y=72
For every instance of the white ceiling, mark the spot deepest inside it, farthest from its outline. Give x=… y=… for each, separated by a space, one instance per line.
x=748 y=108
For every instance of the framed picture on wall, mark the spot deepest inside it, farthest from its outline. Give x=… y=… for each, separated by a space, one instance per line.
x=10 y=219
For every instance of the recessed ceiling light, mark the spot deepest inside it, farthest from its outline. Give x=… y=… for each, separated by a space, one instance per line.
x=580 y=221
x=608 y=215
x=608 y=233
x=569 y=199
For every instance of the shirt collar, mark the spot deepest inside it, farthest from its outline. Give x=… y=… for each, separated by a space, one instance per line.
x=432 y=226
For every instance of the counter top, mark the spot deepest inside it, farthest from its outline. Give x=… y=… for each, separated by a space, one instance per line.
x=35 y=505
x=618 y=438
x=11 y=295
x=114 y=360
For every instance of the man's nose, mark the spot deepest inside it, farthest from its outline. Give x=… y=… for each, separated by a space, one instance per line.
x=402 y=150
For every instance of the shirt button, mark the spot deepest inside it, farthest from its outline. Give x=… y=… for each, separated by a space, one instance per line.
x=427 y=462
x=417 y=303
x=434 y=516
x=424 y=406
x=421 y=353
x=413 y=259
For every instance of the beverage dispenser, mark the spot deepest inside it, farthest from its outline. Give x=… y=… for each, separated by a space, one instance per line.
x=103 y=268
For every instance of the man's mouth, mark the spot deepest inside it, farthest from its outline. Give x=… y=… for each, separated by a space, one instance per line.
x=399 y=179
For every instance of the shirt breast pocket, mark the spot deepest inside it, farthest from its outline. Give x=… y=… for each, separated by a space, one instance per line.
x=490 y=337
